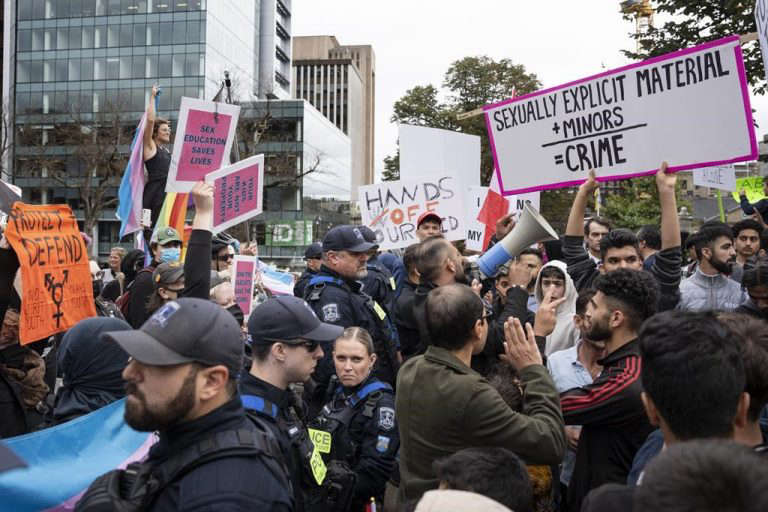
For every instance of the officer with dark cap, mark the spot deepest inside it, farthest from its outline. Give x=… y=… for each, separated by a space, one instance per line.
x=181 y=382
x=286 y=336
x=313 y=256
x=379 y=283
x=337 y=296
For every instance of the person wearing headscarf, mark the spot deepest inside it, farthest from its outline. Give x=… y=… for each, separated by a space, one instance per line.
x=89 y=382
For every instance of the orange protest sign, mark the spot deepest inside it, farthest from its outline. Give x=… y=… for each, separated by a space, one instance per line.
x=55 y=275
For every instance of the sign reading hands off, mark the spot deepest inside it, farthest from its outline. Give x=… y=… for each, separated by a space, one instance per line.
x=55 y=273
x=391 y=209
x=690 y=108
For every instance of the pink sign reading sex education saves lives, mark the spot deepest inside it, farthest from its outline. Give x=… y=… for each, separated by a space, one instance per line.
x=205 y=141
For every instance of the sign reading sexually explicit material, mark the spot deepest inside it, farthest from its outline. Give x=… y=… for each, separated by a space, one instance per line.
x=392 y=208
x=55 y=273
x=203 y=142
x=244 y=269
x=237 y=192
x=690 y=108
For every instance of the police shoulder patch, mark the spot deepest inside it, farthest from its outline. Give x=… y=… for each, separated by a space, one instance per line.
x=330 y=312
x=386 y=418
x=382 y=444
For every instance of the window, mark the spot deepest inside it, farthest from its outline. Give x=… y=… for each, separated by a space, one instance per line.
x=25 y=10
x=152 y=34
x=150 y=66
x=113 y=35
x=86 y=69
x=161 y=5
x=88 y=8
x=126 y=35
x=22 y=70
x=178 y=65
x=99 y=68
x=87 y=39
x=165 y=67
x=113 y=7
x=62 y=38
x=193 y=32
x=137 y=67
x=75 y=37
x=36 y=71
x=62 y=70
x=50 y=39
x=24 y=40
x=48 y=71
x=125 y=66
x=137 y=100
x=192 y=66
x=179 y=32
x=100 y=7
x=38 y=9
x=22 y=102
x=113 y=68
x=139 y=35
x=74 y=69
x=165 y=32
x=100 y=36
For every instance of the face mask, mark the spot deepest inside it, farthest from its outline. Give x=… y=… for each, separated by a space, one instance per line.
x=170 y=255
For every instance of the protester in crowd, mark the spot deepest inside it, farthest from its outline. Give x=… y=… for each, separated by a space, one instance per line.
x=429 y=224
x=104 y=307
x=751 y=336
x=157 y=160
x=223 y=294
x=116 y=255
x=610 y=411
x=552 y=284
x=11 y=408
x=407 y=329
x=360 y=417
x=313 y=256
x=286 y=337
x=531 y=258
x=760 y=207
x=496 y=473
x=395 y=265
x=444 y=406
x=619 y=249
x=88 y=382
x=336 y=297
x=167 y=249
x=181 y=382
x=594 y=230
x=222 y=257
x=649 y=243
x=704 y=476
x=575 y=367
x=746 y=242
x=755 y=282
x=129 y=266
x=168 y=280
x=690 y=249
x=709 y=287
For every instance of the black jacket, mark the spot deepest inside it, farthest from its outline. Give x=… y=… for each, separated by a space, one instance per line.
x=228 y=484
x=614 y=423
x=197 y=278
x=761 y=206
x=14 y=418
x=666 y=270
x=407 y=329
x=282 y=422
x=301 y=284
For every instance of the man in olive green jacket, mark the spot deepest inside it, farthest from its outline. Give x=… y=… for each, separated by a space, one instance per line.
x=444 y=406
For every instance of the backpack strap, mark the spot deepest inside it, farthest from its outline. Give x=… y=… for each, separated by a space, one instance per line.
x=366 y=390
x=260 y=404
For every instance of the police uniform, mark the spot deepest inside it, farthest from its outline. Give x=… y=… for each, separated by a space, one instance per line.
x=342 y=301
x=313 y=252
x=358 y=427
x=379 y=284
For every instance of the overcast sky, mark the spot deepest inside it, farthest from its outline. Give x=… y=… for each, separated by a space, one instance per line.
x=416 y=40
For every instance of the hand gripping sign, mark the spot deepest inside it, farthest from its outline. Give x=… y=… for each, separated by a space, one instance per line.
x=203 y=142
x=690 y=108
x=55 y=273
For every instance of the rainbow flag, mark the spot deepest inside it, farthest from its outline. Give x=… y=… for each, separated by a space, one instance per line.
x=131 y=191
x=173 y=214
x=64 y=460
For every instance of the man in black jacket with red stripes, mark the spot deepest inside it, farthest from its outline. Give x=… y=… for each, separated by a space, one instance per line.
x=610 y=409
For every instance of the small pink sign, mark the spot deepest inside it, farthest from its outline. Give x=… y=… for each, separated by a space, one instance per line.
x=237 y=192
x=242 y=282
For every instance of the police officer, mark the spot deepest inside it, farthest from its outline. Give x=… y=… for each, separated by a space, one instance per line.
x=180 y=381
x=357 y=426
x=336 y=296
x=286 y=334
x=379 y=283
x=313 y=256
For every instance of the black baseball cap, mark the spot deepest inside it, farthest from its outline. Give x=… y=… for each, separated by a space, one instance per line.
x=314 y=252
x=346 y=238
x=186 y=330
x=368 y=234
x=288 y=318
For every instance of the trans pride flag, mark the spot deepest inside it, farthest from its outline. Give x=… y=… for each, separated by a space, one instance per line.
x=279 y=283
x=65 y=459
x=131 y=191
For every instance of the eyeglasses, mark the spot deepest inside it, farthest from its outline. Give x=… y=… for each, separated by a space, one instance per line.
x=310 y=345
x=226 y=257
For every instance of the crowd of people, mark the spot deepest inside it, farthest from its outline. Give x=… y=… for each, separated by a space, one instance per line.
x=614 y=370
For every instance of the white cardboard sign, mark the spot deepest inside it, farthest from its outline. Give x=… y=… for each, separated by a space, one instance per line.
x=203 y=141
x=473 y=204
x=392 y=208
x=435 y=152
x=722 y=177
x=690 y=108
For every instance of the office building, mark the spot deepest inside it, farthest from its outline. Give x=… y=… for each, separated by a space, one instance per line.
x=339 y=81
x=86 y=59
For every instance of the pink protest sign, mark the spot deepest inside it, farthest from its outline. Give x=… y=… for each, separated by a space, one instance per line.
x=244 y=268
x=237 y=192
x=689 y=108
x=204 y=139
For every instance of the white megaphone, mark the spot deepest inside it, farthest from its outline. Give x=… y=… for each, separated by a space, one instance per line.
x=531 y=228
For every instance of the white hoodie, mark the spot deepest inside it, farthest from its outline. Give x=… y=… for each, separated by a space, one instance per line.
x=565 y=334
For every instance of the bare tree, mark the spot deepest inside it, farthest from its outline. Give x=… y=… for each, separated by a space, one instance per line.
x=5 y=142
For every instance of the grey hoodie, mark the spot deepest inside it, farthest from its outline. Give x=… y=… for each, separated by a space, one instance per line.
x=565 y=334
x=701 y=292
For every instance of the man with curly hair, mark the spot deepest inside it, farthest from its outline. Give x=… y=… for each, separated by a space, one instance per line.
x=610 y=410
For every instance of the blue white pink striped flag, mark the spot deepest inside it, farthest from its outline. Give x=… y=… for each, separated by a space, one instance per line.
x=65 y=459
x=131 y=190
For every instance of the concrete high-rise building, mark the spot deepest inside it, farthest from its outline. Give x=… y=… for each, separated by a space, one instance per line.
x=89 y=56
x=340 y=82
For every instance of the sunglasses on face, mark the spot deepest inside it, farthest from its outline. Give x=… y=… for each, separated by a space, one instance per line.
x=310 y=345
x=226 y=257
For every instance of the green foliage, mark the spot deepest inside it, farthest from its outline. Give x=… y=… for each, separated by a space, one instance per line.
x=698 y=21
x=391 y=167
x=637 y=204
x=468 y=84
